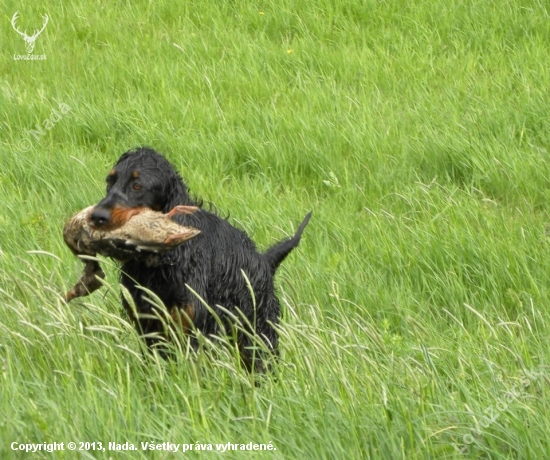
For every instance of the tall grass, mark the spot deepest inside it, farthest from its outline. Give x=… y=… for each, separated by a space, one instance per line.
x=415 y=307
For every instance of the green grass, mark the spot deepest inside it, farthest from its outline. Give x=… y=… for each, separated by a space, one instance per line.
x=418 y=132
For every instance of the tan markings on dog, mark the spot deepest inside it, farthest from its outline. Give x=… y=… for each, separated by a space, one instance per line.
x=119 y=217
x=135 y=174
x=112 y=172
x=183 y=317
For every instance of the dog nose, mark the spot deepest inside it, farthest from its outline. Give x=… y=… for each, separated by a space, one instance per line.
x=99 y=216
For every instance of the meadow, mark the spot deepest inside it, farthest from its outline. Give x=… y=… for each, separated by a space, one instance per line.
x=415 y=311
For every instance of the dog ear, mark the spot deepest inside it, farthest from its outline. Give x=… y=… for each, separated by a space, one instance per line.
x=175 y=191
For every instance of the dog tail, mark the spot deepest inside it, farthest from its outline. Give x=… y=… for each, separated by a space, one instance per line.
x=276 y=254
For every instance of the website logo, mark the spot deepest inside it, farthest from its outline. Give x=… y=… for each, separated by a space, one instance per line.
x=29 y=39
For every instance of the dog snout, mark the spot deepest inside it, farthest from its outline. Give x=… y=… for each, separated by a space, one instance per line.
x=99 y=217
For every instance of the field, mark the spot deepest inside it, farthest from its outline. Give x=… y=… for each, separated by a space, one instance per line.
x=416 y=310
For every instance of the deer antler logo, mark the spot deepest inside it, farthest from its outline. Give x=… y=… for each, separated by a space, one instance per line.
x=29 y=41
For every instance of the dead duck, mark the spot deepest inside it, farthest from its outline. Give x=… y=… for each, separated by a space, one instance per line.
x=140 y=230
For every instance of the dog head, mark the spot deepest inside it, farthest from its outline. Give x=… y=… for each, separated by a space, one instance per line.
x=141 y=178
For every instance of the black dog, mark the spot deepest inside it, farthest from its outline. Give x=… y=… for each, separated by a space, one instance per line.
x=211 y=264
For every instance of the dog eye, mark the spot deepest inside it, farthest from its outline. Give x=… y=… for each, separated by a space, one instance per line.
x=136 y=187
